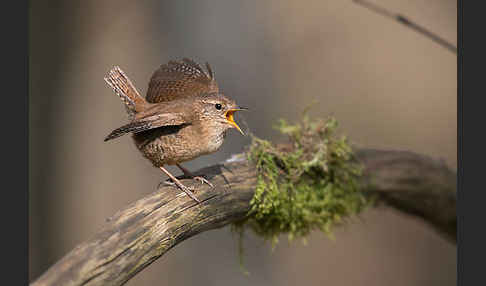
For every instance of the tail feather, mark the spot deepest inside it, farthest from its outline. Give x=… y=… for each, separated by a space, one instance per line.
x=127 y=92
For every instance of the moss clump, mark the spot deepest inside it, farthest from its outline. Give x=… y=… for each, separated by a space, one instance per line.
x=310 y=183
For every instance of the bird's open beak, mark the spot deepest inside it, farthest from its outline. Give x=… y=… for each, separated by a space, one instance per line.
x=229 y=116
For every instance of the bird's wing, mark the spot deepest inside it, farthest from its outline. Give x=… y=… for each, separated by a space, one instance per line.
x=178 y=79
x=147 y=123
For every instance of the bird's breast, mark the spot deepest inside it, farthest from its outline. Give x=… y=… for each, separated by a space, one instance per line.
x=186 y=144
x=215 y=142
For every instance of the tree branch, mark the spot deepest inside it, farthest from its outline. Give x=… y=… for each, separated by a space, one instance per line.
x=145 y=230
x=408 y=23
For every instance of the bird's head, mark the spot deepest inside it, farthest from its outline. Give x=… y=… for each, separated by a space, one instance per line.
x=218 y=111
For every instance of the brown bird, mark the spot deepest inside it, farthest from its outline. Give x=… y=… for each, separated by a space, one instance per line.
x=183 y=116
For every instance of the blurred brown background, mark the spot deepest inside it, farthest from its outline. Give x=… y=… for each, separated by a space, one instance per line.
x=388 y=86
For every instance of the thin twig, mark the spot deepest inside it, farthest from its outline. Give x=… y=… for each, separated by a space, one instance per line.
x=408 y=23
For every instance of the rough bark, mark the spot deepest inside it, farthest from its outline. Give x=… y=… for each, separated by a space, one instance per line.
x=145 y=230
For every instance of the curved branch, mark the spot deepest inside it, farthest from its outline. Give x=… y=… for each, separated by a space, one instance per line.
x=145 y=230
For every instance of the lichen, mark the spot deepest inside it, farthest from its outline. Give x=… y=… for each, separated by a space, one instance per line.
x=309 y=184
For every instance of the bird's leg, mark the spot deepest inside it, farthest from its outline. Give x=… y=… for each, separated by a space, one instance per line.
x=180 y=185
x=188 y=174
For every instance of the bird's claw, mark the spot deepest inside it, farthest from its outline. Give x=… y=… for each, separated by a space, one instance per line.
x=203 y=180
x=188 y=190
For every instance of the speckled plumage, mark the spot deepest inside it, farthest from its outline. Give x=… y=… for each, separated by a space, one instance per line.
x=183 y=116
x=200 y=134
x=178 y=79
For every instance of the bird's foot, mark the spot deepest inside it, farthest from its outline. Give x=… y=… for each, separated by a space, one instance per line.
x=203 y=180
x=189 y=175
x=188 y=190
x=200 y=179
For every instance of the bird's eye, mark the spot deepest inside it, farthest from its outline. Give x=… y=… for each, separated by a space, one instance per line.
x=218 y=106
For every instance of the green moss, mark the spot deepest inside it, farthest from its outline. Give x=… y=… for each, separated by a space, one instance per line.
x=309 y=184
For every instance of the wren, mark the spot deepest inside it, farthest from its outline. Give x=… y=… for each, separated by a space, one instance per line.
x=183 y=116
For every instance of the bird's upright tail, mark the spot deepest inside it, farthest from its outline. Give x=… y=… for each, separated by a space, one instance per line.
x=127 y=92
